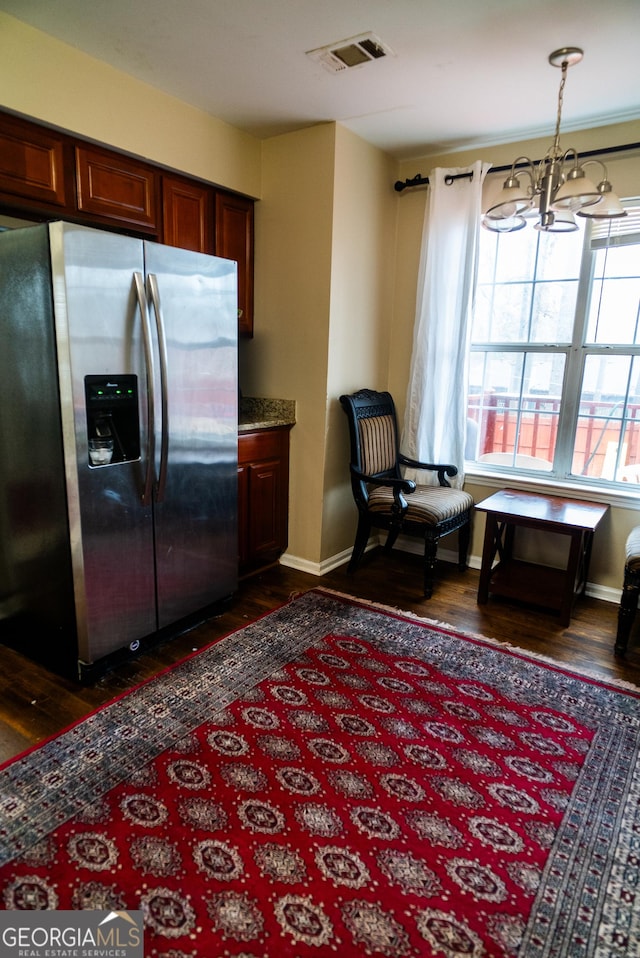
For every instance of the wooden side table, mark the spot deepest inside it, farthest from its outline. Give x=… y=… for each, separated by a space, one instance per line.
x=527 y=581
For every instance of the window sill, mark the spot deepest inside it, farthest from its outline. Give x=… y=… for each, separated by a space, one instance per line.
x=561 y=487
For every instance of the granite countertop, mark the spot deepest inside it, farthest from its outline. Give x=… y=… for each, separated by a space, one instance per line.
x=256 y=413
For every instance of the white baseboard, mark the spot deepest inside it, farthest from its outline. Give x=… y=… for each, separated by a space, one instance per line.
x=318 y=568
x=595 y=591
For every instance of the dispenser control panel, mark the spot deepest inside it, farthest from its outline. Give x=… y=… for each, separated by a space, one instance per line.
x=102 y=390
x=113 y=419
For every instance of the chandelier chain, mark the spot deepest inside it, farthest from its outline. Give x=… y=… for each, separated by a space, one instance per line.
x=556 y=141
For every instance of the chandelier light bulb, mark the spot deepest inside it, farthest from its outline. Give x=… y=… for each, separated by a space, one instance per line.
x=512 y=202
x=576 y=192
x=506 y=225
x=609 y=205
x=512 y=199
x=560 y=221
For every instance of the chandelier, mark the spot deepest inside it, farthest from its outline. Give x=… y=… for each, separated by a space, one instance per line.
x=556 y=187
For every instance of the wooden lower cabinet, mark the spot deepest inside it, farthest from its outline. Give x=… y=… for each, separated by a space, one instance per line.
x=263 y=497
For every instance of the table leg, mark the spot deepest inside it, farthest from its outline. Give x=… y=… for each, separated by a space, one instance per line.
x=586 y=560
x=576 y=553
x=509 y=536
x=488 y=553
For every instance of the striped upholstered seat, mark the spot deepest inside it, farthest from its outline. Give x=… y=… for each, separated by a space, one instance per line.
x=630 y=590
x=386 y=500
x=428 y=504
x=632 y=550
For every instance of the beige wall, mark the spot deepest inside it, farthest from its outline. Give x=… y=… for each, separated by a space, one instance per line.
x=56 y=84
x=288 y=356
x=325 y=235
x=363 y=251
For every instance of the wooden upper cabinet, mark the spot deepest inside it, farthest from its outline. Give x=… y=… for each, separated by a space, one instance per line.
x=234 y=240
x=32 y=162
x=47 y=174
x=117 y=188
x=187 y=214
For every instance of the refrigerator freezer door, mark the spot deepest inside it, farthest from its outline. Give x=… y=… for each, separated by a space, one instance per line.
x=99 y=334
x=35 y=562
x=194 y=299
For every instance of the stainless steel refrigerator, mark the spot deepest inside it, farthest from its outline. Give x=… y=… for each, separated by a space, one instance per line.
x=113 y=342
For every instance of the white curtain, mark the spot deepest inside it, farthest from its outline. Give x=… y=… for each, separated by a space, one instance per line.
x=435 y=415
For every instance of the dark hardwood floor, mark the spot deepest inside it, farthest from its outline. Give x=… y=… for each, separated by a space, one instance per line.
x=35 y=703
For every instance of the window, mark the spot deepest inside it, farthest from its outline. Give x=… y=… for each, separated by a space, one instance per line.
x=554 y=376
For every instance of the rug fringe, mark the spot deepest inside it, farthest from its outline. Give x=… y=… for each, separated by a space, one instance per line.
x=296 y=594
x=478 y=637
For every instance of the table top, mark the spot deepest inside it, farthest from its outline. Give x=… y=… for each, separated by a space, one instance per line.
x=545 y=509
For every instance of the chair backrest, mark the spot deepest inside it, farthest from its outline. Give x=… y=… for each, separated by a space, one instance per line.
x=373 y=433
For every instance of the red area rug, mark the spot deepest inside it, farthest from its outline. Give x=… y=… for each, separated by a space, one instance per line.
x=338 y=778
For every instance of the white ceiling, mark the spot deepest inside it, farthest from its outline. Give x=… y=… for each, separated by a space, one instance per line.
x=464 y=72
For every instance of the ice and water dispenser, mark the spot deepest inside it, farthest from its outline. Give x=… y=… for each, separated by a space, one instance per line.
x=113 y=420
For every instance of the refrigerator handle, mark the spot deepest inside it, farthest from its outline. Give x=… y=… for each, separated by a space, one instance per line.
x=148 y=355
x=152 y=285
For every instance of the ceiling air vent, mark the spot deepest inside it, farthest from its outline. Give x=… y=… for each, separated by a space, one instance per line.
x=354 y=52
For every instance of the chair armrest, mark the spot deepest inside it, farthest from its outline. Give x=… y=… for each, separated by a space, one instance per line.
x=443 y=469
x=403 y=485
x=399 y=486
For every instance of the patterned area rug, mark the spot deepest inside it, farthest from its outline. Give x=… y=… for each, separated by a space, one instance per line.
x=337 y=778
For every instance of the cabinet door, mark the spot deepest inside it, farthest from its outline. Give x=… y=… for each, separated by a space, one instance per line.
x=243 y=515
x=117 y=189
x=267 y=533
x=187 y=214
x=234 y=240
x=32 y=162
x=263 y=496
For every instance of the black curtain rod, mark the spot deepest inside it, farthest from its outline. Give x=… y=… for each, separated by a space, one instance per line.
x=419 y=180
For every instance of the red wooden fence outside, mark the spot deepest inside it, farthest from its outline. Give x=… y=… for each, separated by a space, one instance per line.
x=531 y=421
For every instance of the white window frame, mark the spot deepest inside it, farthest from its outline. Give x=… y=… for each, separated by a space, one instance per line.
x=576 y=352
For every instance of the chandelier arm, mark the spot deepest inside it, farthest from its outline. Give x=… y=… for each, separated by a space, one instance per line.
x=528 y=168
x=605 y=175
x=570 y=152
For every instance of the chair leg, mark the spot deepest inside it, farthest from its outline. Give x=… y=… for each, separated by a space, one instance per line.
x=362 y=537
x=464 y=535
x=430 y=552
x=390 y=540
x=626 y=613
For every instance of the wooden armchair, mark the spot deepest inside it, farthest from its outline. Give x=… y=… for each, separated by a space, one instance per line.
x=386 y=500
